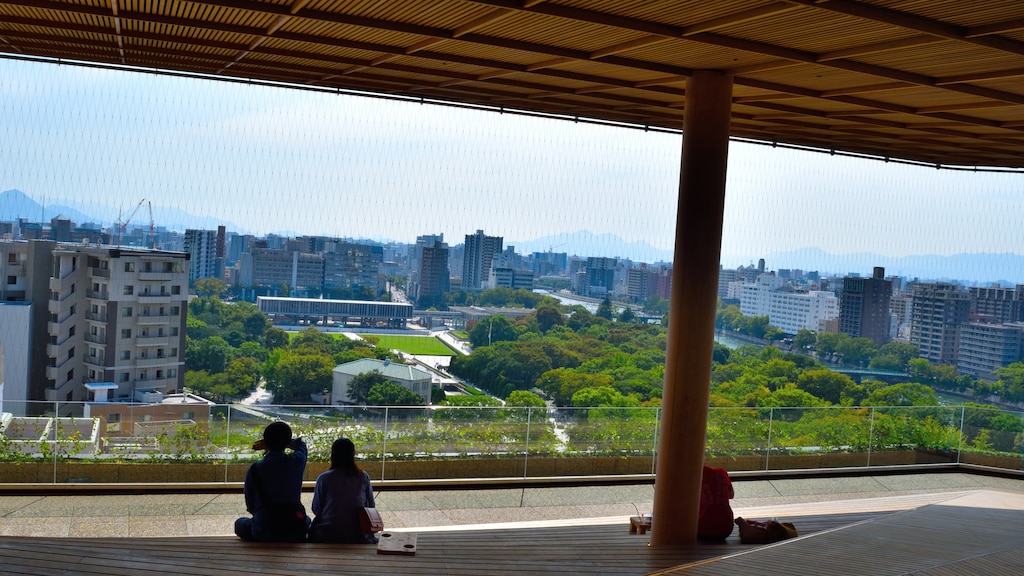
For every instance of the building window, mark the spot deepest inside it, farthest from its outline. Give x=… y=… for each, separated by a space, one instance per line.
x=175 y=290
x=71 y=331
x=175 y=310
x=129 y=266
x=129 y=290
x=113 y=418
x=126 y=355
x=126 y=311
x=71 y=374
x=12 y=280
x=122 y=377
x=174 y=330
x=188 y=415
x=104 y=264
x=12 y=258
x=145 y=418
x=159 y=374
x=71 y=353
x=172 y=372
x=126 y=333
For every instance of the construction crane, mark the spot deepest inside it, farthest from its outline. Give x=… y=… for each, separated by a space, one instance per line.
x=152 y=227
x=122 y=225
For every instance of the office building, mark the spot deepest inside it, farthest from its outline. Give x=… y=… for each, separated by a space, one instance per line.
x=788 y=309
x=864 y=307
x=348 y=265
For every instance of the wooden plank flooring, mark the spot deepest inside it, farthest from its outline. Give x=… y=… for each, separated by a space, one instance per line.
x=562 y=551
x=964 y=534
x=958 y=538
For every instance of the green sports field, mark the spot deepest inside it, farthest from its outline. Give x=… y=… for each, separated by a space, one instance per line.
x=416 y=345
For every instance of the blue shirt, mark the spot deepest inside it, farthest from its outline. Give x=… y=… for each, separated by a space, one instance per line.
x=280 y=480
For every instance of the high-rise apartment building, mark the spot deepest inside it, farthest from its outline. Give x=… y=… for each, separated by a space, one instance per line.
x=601 y=276
x=480 y=251
x=645 y=281
x=864 y=307
x=998 y=304
x=206 y=254
x=99 y=314
x=986 y=347
x=433 y=275
x=937 y=312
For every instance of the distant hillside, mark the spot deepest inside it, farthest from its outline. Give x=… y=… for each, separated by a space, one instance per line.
x=976 y=268
x=15 y=204
x=585 y=243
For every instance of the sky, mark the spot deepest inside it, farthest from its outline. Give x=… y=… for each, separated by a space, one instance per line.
x=277 y=160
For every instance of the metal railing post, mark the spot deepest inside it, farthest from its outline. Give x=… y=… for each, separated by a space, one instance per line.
x=654 y=446
x=768 y=452
x=960 y=437
x=384 y=447
x=526 y=454
x=871 y=434
x=227 y=440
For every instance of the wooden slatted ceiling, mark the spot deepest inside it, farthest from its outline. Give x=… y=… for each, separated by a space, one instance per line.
x=935 y=81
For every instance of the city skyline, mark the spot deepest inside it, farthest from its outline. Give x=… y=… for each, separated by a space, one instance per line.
x=277 y=160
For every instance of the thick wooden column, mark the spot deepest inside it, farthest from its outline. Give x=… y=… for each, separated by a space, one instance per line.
x=691 y=322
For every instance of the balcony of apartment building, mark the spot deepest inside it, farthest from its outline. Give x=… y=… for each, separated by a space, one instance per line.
x=97 y=360
x=154 y=358
x=155 y=317
x=153 y=338
x=61 y=302
x=100 y=294
x=157 y=271
x=154 y=297
x=99 y=271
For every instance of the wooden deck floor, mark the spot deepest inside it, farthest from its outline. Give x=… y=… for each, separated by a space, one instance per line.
x=974 y=534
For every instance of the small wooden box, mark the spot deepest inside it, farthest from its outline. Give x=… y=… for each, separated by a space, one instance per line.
x=399 y=543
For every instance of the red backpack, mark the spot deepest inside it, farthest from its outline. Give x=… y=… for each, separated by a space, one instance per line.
x=715 y=521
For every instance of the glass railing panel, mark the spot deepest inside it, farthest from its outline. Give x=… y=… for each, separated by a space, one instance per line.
x=992 y=437
x=819 y=437
x=902 y=435
x=122 y=442
x=739 y=438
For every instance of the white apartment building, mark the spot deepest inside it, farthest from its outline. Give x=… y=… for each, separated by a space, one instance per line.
x=785 y=308
x=98 y=314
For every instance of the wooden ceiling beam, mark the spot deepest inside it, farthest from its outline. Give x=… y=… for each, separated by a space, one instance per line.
x=1014 y=25
x=862 y=89
x=477 y=23
x=909 y=21
x=879 y=47
x=979 y=76
x=738 y=18
x=624 y=46
x=979 y=105
x=776 y=51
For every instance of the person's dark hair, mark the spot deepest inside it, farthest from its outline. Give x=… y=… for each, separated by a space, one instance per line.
x=343 y=457
x=277 y=436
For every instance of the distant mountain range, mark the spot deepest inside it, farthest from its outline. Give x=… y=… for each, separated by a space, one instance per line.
x=974 y=268
x=15 y=204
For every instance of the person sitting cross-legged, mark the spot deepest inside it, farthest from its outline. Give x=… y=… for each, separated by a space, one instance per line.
x=273 y=489
x=339 y=495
